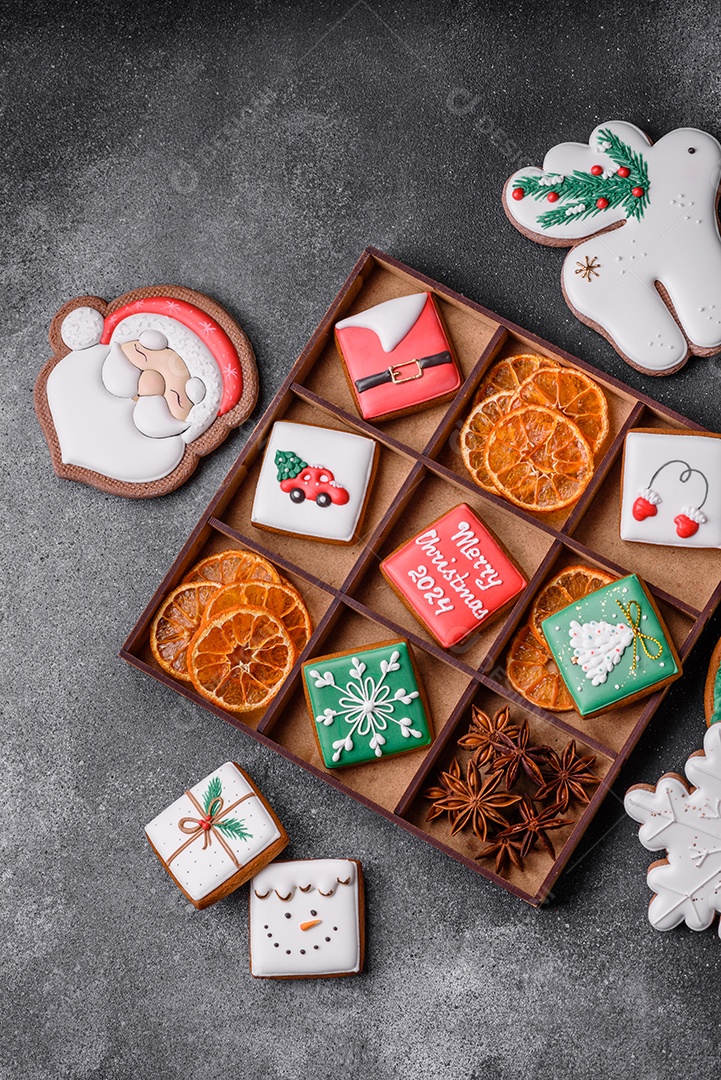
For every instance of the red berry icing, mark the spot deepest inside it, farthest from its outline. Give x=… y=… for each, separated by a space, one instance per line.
x=642 y=509
x=517 y=193
x=552 y=196
x=638 y=192
x=596 y=170
x=685 y=527
x=624 y=172
x=601 y=203
x=205 y=823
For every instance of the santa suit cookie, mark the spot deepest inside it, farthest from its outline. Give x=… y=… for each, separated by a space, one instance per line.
x=139 y=389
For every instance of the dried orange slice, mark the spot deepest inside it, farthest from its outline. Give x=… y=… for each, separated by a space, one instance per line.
x=475 y=432
x=507 y=375
x=176 y=623
x=229 y=566
x=538 y=459
x=533 y=673
x=239 y=659
x=279 y=598
x=573 y=394
x=570 y=585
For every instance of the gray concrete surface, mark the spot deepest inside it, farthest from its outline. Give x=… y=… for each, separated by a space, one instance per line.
x=252 y=151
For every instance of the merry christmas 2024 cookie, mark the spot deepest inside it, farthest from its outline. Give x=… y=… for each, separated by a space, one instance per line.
x=671 y=489
x=139 y=389
x=454 y=576
x=307 y=920
x=651 y=287
x=314 y=482
x=366 y=704
x=611 y=646
x=216 y=836
x=397 y=357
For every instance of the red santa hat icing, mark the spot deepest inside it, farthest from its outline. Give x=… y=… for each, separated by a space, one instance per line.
x=216 y=380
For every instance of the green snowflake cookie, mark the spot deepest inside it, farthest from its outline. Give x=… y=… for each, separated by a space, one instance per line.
x=611 y=645
x=366 y=705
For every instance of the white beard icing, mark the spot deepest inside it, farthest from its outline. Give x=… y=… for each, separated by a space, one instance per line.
x=153 y=418
x=120 y=377
x=95 y=429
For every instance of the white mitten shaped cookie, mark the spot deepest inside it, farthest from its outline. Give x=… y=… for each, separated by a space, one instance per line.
x=649 y=277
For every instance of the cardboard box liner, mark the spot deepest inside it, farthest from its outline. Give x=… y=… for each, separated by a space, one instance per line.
x=420 y=475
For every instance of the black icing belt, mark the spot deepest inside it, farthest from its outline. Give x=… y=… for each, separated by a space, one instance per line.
x=395 y=373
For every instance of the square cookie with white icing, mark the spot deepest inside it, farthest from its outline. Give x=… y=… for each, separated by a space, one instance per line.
x=306 y=920
x=671 y=489
x=314 y=482
x=216 y=836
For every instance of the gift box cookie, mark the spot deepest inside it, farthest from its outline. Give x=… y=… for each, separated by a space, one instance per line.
x=216 y=836
x=299 y=493
x=611 y=646
x=454 y=576
x=367 y=704
x=397 y=357
x=671 y=489
x=306 y=920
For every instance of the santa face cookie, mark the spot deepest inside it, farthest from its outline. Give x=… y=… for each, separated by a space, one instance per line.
x=397 y=357
x=454 y=576
x=216 y=836
x=653 y=286
x=611 y=646
x=299 y=492
x=671 y=489
x=139 y=389
x=686 y=824
x=366 y=704
x=306 y=919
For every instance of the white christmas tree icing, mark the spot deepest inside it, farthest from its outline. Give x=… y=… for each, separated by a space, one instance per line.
x=598 y=647
x=687 y=885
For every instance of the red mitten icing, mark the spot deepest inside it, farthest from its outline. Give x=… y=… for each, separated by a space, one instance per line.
x=646 y=505
x=688 y=521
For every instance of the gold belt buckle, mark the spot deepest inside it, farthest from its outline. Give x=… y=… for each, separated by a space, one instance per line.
x=394 y=372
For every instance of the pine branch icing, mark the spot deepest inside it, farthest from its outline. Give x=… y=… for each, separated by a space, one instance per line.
x=288 y=465
x=582 y=195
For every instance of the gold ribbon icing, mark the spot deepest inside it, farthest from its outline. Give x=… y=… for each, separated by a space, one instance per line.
x=638 y=635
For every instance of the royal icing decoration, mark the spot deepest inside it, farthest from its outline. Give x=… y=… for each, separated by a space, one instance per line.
x=306 y=919
x=610 y=645
x=219 y=829
x=687 y=826
x=671 y=492
x=309 y=499
x=664 y=195
x=453 y=576
x=137 y=387
x=366 y=705
x=397 y=356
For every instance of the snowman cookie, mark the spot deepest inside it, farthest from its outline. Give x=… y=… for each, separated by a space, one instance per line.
x=139 y=389
x=306 y=919
x=645 y=264
x=671 y=488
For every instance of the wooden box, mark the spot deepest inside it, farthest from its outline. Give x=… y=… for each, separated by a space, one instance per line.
x=420 y=475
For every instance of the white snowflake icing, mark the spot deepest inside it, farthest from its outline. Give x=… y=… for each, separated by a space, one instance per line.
x=366 y=705
x=687 y=884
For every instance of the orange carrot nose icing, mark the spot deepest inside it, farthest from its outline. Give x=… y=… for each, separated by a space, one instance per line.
x=308 y=925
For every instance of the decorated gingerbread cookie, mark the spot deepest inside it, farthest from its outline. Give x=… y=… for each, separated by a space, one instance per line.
x=684 y=822
x=712 y=690
x=307 y=920
x=454 y=576
x=140 y=388
x=671 y=489
x=366 y=704
x=611 y=646
x=397 y=356
x=314 y=482
x=216 y=836
x=645 y=269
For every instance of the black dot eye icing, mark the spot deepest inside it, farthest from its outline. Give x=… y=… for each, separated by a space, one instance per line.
x=313 y=913
x=692 y=149
x=287 y=914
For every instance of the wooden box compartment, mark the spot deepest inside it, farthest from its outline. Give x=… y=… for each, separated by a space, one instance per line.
x=421 y=474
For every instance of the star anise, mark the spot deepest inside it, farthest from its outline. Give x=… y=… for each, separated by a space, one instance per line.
x=566 y=777
x=507 y=851
x=470 y=800
x=483 y=732
x=512 y=755
x=535 y=824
